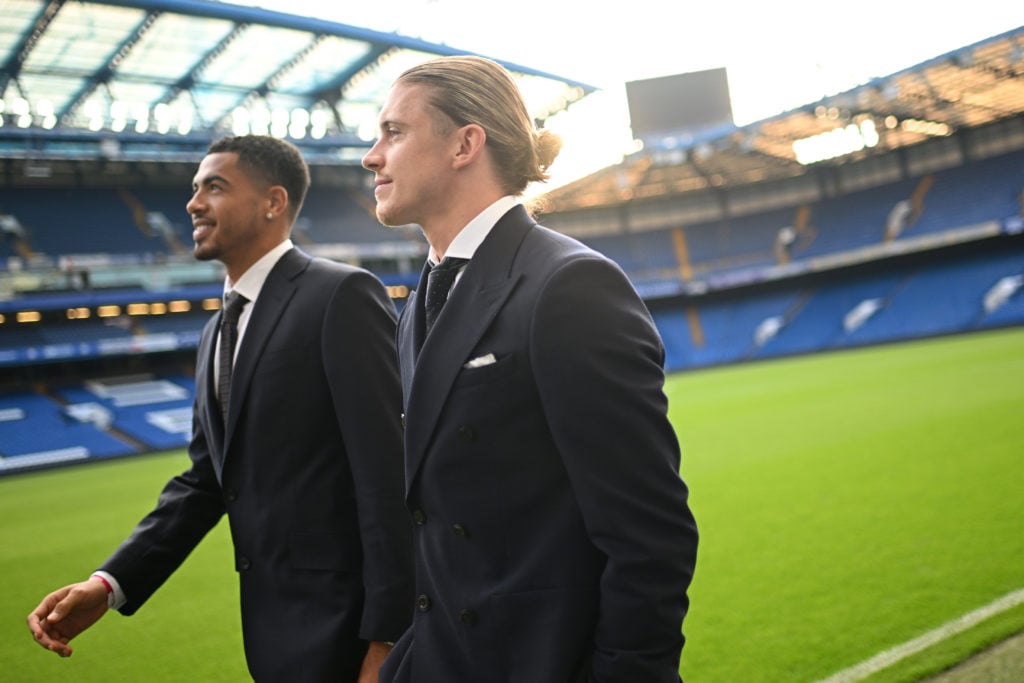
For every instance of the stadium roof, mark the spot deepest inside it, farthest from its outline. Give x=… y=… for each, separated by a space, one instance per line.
x=967 y=88
x=156 y=80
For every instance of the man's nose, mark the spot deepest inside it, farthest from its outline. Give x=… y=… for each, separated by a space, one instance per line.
x=371 y=161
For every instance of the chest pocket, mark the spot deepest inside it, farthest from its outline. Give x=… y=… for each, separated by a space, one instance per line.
x=502 y=369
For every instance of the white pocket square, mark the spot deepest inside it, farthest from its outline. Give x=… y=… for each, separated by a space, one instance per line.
x=481 y=361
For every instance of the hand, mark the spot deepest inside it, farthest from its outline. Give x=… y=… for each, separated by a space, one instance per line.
x=65 y=613
x=375 y=655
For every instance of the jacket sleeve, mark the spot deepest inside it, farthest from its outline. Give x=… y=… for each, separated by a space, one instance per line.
x=188 y=507
x=598 y=364
x=361 y=365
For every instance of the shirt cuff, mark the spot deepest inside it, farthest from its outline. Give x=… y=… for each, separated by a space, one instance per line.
x=115 y=598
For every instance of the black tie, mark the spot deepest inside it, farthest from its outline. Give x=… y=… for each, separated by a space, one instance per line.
x=439 y=283
x=228 y=338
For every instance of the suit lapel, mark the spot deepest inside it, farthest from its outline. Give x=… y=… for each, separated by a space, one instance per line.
x=206 y=394
x=410 y=335
x=483 y=289
x=273 y=299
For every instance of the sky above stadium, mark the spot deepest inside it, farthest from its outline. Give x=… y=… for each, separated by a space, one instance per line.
x=778 y=55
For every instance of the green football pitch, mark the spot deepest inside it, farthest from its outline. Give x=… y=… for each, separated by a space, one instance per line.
x=848 y=503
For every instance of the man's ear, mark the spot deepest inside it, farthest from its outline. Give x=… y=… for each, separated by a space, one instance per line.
x=470 y=140
x=277 y=200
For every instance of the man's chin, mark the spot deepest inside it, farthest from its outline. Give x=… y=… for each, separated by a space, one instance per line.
x=393 y=222
x=201 y=253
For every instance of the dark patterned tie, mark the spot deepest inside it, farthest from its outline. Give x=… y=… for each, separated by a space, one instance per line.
x=439 y=282
x=228 y=337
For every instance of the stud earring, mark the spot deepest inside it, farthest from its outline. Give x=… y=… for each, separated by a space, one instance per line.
x=269 y=215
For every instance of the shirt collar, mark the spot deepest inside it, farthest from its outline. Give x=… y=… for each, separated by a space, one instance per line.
x=476 y=231
x=251 y=282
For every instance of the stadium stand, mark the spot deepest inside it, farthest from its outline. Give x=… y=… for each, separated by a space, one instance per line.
x=969 y=195
x=719 y=331
x=907 y=296
x=342 y=216
x=102 y=221
x=35 y=431
x=741 y=252
x=156 y=412
x=917 y=298
x=154 y=221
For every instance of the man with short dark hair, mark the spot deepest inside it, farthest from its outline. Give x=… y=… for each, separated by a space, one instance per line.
x=296 y=437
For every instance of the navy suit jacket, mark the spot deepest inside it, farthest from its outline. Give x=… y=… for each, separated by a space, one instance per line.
x=308 y=471
x=553 y=538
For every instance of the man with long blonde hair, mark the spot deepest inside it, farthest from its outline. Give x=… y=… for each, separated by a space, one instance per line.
x=553 y=540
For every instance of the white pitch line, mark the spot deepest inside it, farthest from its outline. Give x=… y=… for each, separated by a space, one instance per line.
x=887 y=658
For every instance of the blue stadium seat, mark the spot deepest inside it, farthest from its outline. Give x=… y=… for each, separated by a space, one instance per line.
x=35 y=430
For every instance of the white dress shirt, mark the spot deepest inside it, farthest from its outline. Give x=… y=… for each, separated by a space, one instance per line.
x=249 y=286
x=476 y=231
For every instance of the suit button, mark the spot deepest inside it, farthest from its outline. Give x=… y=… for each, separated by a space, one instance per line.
x=419 y=516
x=231 y=495
x=468 y=617
x=403 y=420
x=423 y=603
x=244 y=564
x=467 y=433
x=460 y=531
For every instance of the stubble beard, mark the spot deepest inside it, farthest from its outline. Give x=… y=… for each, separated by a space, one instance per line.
x=206 y=250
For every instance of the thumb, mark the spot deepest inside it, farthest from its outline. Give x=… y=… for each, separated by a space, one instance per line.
x=61 y=609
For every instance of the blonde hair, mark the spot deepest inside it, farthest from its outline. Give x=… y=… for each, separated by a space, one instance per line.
x=476 y=90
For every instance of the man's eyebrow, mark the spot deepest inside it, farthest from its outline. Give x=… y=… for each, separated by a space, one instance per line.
x=211 y=179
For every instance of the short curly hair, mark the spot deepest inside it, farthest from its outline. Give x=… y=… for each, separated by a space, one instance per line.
x=271 y=161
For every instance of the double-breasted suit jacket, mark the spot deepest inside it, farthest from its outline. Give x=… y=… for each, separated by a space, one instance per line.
x=307 y=469
x=553 y=538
